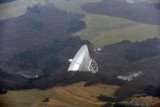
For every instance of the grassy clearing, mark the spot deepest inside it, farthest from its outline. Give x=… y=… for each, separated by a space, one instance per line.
x=102 y=30
x=72 y=95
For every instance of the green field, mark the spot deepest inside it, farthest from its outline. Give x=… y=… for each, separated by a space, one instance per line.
x=102 y=30
x=19 y=7
x=73 y=95
x=72 y=5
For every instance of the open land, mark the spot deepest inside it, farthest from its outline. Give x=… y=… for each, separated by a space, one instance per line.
x=100 y=29
x=72 y=95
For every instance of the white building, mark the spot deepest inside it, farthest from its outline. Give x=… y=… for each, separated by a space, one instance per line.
x=130 y=77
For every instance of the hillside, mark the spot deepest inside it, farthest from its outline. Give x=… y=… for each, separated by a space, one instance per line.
x=102 y=30
x=113 y=61
x=140 y=12
x=126 y=21
x=75 y=95
x=68 y=96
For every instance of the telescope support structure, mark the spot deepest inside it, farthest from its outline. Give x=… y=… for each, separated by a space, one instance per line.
x=93 y=67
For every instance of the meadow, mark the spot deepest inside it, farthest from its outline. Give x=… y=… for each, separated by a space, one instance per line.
x=73 y=6
x=17 y=8
x=102 y=30
x=67 y=96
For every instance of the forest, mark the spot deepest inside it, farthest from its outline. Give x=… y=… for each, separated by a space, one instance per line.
x=144 y=49
x=46 y=57
x=37 y=28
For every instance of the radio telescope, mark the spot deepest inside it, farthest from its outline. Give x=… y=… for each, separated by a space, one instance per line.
x=83 y=62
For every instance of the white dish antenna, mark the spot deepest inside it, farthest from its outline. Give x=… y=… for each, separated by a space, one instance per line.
x=82 y=61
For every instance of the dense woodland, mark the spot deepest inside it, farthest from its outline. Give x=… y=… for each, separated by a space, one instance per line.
x=37 y=28
x=47 y=59
x=140 y=12
x=144 y=49
x=112 y=62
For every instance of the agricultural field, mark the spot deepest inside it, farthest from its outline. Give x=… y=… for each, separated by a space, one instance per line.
x=102 y=30
x=72 y=95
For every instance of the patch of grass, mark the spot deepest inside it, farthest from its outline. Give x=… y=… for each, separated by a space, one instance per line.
x=73 y=6
x=68 y=6
x=81 y=2
x=102 y=30
x=73 y=95
x=17 y=8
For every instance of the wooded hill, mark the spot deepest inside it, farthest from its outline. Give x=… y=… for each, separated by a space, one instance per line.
x=38 y=28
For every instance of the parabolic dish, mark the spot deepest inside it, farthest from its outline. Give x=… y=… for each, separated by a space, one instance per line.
x=82 y=61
